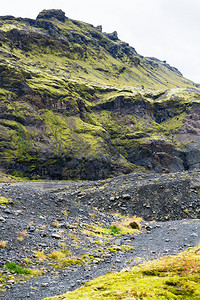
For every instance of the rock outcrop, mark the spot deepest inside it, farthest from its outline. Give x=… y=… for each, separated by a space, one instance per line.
x=52 y=13
x=79 y=103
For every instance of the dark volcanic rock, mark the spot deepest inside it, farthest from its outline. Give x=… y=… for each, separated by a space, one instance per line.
x=49 y=26
x=113 y=36
x=154 y=197
x=7 y=17
x=158 y=156
x=52 y=13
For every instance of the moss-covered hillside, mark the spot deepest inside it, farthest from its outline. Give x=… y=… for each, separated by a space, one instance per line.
x=79 y=103
x=171 y=277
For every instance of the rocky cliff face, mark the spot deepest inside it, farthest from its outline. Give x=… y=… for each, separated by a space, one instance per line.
x=79 y=103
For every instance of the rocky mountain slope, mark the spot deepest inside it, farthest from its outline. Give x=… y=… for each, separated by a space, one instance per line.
x=79 y=103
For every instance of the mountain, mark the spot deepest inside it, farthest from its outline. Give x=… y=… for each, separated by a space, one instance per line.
x=78 y=103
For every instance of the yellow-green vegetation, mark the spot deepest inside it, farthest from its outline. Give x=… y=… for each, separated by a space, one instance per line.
x=40 y=256
x=64 y=258
x=4 y=200
x=15 y=278
x=5 y=178
x=78 y=98
x=57 y=255
x=171 y=277
x=58 y=259
x=17 y=269
x=128 y=225
x=72 y=132
x=13 y=267
x=22 y=235
x=65 y=262
x=3 y=244
x=55 y=224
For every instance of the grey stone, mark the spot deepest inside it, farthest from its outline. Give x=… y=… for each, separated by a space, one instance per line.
x=126 y=196
x=31 y=228
x=56 y=235
x=2 y=219
x=194 y=234
x=44 y=284
x=7 y=211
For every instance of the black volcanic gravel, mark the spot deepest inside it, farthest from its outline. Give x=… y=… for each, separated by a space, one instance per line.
x=169 y=205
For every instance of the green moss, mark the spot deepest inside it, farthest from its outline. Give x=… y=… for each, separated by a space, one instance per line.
x=173 y=125
x=121 y=227
x=4 y=200
x=12 y=266
x=69 y=133
x=65 y=262
x=61 y=99
x=89 y=60
x=114 y=229
x=173 y=277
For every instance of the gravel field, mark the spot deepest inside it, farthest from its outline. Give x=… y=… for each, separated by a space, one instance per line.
x=76 y=217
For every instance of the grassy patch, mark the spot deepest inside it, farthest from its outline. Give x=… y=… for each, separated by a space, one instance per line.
x=58 y=259
x=63 y=262
x=13 y=267
x=16 y=269
x=61 y=259
x=173 y=277
x=114 y=229
x=40 y=256
x=125 y=226
x=57 y=255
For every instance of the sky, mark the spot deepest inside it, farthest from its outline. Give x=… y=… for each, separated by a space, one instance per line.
x=165 y=29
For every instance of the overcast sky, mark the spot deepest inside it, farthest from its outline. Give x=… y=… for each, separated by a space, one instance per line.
x=165 y=29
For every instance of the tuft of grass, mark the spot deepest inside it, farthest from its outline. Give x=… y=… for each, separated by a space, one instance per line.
x=27 y=261
x=65 y=213
x=65 y=249
x=4 y=200
x=171 y=277
x=127 y=225
x=13 y=267
x=55 y=224
x=114 y=229
x=3 y=244
x=61 y=263
x=61 y=259
x=57 y=255
x=22 y=235
x=17 y=269
x=42 y=226
x=132 y=222
x=40 y=255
